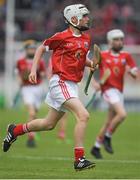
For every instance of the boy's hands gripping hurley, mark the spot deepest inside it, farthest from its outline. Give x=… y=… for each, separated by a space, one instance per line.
x=96 y=61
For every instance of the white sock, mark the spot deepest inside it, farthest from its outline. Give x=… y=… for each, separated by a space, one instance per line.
x=98 y=144
x=108 y=134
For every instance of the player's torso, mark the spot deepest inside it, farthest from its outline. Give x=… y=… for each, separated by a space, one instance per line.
x=24 y=67
x=117 y=66
x=69 y=58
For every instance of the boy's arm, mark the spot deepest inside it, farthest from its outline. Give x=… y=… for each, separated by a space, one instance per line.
x=38 y=54
x=132 y=68
x=133 y=72
x=96 y=84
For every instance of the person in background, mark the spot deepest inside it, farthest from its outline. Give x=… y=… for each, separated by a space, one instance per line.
x=31 y=93
x=116 y=61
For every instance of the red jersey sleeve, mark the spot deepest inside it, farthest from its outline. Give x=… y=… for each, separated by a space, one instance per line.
x=103 y=65
x=53 y=42
x=130 y=61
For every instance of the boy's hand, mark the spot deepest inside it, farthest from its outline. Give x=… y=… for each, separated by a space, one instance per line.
x=33 y=77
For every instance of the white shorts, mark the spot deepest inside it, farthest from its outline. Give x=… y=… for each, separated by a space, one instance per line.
x=113 y=96
x=59 y=92
x=32 y=95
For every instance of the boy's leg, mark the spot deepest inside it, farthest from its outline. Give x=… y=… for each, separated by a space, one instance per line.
x=62 y=127
x=115 y=99
x=120 y=115
x=82 y=116
x=44 y=124
x=110 y=116
x=95 y=150
x=32 y=111
x=47 y=123
x=31 y=101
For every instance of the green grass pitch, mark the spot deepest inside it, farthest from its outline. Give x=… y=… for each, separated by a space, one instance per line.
x=54 y=159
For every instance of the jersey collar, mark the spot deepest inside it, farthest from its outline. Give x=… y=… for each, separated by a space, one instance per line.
x=75 y=35
x=114 y=54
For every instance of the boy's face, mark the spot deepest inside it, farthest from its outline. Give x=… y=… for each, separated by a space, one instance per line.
x=30 y=52
x=84 y=23
x=117 y=44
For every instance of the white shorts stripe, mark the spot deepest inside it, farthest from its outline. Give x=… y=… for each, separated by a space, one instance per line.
x=59 y=92
x=64 y=89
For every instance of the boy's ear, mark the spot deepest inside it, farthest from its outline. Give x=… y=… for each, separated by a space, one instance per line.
x=74 y=20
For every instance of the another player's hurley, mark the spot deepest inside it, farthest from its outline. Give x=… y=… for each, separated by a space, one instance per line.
x=70 y=49
x=102 y=81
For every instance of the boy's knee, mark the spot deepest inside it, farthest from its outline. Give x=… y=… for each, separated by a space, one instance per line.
x=107 y=123
x=32 y=114
x=84 y=116
x=122 y=115
x=50 y=126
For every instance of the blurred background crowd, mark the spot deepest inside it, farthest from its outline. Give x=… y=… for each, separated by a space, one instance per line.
x=41 y=18
x=38 y=19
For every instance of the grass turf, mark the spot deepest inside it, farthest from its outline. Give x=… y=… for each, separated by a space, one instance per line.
x=54 y=159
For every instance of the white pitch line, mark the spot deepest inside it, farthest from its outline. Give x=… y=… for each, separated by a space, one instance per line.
x=71 y=159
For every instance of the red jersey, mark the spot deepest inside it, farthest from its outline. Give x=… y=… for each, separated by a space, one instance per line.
x=24 y=68
x=69 y=54
x=117 y=65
